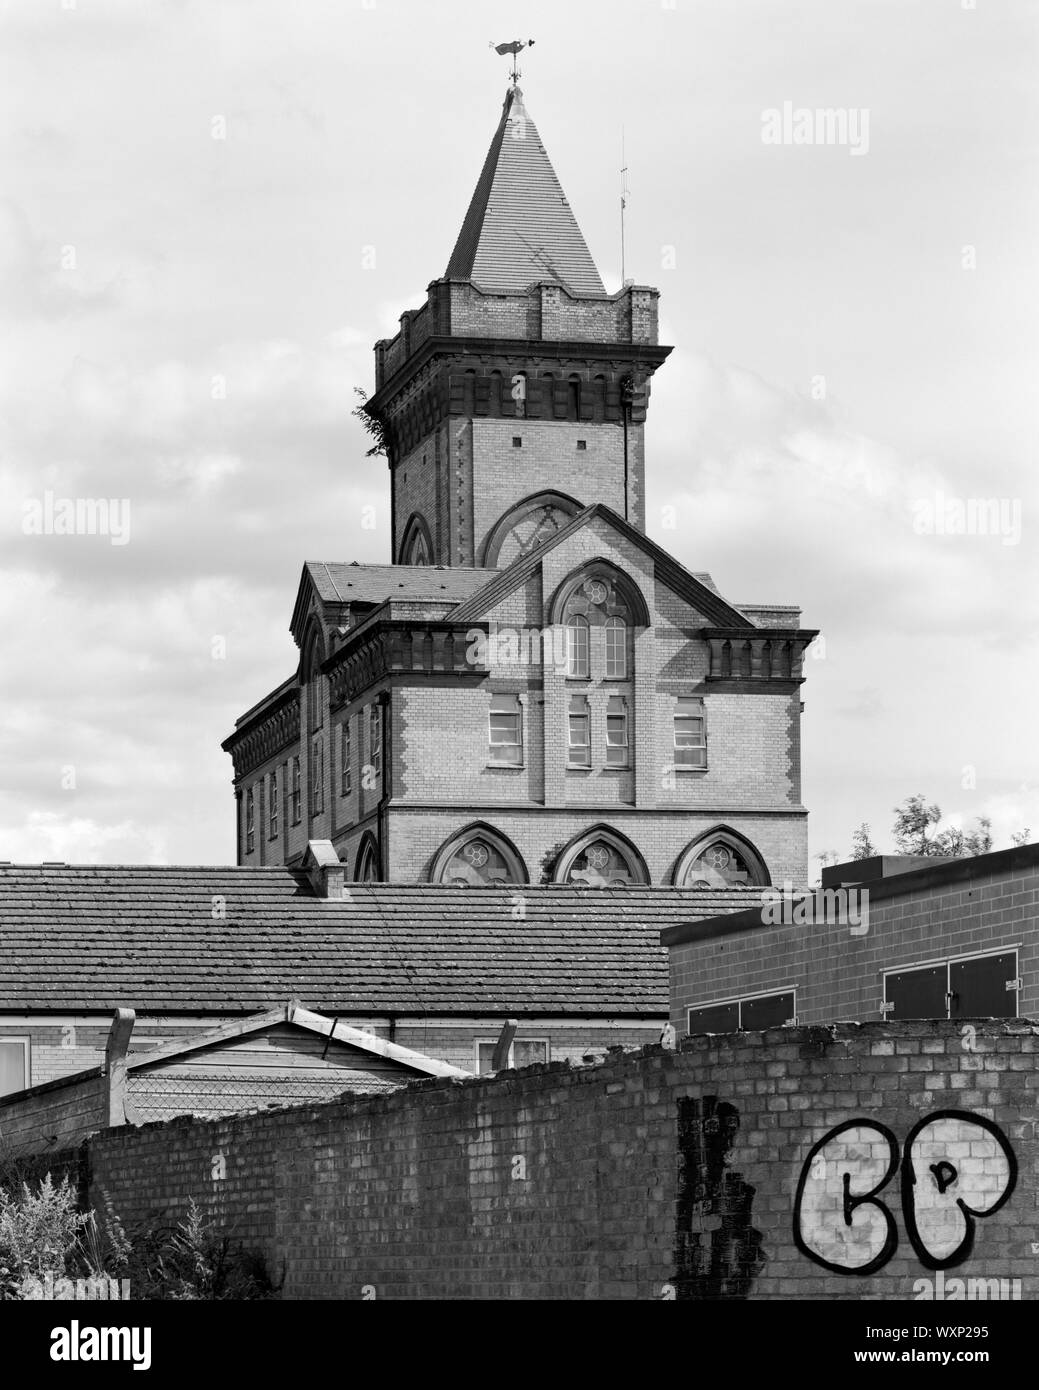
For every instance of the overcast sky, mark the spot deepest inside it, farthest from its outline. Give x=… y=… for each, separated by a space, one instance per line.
x=142 y=257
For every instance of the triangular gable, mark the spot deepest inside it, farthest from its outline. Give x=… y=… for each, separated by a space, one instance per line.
x=668 y=571
x=292 y=1013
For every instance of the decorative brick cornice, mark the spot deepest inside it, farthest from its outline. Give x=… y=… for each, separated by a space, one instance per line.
x=387 y=650
x=273 y=729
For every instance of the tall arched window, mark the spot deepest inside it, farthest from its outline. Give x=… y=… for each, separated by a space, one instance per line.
x=367 y=869
x=616 y=657
x=577 y=652
x=315 y=655
x=573 y=398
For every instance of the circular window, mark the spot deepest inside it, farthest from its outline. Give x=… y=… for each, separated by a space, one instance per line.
x=596 y=590
x=598 y=857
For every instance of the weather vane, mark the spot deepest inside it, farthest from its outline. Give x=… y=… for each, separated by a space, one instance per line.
x=515 y=48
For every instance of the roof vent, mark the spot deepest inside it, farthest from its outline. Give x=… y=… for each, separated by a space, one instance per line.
x=324 y=869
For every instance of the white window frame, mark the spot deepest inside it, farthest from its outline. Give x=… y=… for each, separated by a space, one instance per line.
x=624 y=748
x=492 y=1042
x=579 y=708
x=681 y=718
x=739 y=1000
x=948 y=962
x=346 y=772
x=295 y=791
x=611 y=625
x=578 y=669
x=317 y=774
x=512 y=706
x=250 y=819
x=375 y=737
x=25 y=1042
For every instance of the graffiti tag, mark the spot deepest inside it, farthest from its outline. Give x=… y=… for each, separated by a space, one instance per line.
x=956 y=1168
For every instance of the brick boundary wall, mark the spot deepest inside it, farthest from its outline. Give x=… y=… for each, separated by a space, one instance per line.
x=656 y=1174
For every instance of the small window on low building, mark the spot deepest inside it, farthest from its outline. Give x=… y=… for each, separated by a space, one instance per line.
x=746 y=1015
x=517 y=441
x=967 y=987
x=14 y=1065
x=582 y=443
x=505 y=731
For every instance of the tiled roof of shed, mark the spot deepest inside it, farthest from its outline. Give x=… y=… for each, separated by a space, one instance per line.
x=98 y=938
x=519 y=228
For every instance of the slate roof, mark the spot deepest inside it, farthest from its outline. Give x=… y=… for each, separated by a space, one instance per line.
x=97 y=938
x=336 y=582
x=519 y=228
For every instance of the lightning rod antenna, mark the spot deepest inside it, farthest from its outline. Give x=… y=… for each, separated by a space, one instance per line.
x=625 y=190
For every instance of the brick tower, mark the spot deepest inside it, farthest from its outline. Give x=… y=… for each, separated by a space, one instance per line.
x=532 y=691
x=517 y=394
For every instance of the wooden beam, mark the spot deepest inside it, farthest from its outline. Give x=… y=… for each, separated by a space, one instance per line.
x=500 y=1060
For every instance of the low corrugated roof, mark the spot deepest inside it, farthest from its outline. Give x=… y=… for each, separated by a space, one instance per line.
x=204 y=939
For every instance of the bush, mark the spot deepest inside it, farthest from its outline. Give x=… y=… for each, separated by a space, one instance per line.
x=42 y=1232
x=39 y=1232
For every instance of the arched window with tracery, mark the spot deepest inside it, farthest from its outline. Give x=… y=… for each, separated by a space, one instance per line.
x=600 y=859
x=367 y=869
x=479 y=857
x=721 y=859
x=603 y=606
x=416 y=547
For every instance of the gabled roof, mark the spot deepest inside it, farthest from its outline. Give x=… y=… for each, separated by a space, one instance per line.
x=98 y=938
x=519 y=229
x=706 y=600
x=293 y=1013
x=337 y=582
x=341 y=583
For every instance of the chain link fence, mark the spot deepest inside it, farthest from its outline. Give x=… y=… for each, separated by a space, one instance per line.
x=156 y=1096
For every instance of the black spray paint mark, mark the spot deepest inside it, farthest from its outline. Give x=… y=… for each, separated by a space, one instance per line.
x=717 y=1251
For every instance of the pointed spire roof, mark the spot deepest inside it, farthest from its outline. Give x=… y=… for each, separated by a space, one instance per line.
x=519 y=228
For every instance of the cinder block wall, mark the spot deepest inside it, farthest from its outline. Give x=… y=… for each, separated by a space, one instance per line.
x=839 y=974
x=717 y=1171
